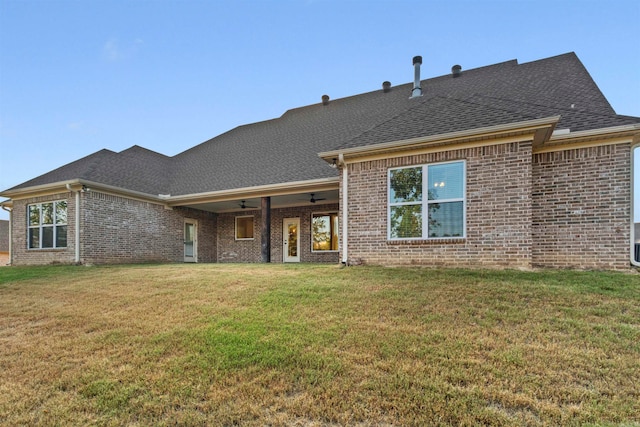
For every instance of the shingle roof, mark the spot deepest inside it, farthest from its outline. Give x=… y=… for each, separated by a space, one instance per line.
x=285 y=149
x=135 y=168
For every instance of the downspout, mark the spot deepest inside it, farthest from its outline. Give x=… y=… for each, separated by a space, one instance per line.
x=345 y=209
x=10 y=232
x=77 y=231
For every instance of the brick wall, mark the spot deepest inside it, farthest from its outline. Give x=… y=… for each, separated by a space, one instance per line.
x=498 y=211
x=582 y=208
x=231 y=250
x=24 y=256
x=120 y=230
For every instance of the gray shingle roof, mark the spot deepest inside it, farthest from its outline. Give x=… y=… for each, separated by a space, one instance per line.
x=285 y=149
x=135 y=168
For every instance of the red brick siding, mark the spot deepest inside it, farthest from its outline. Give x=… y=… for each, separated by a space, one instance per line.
x=582 y=208
x=498 y=211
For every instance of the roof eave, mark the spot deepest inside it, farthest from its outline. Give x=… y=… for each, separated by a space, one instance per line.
x=279 y=189
x=540 y=131
x=77 y=185
x=36 y=190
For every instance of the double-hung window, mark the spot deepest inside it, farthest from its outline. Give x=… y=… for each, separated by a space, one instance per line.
x=48 y=225
x=427 y=201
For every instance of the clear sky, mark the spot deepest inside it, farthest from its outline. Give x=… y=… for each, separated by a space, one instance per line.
x=79 y=76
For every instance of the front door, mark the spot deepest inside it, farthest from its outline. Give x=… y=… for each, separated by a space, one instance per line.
x=190 y=240
x=291 y=242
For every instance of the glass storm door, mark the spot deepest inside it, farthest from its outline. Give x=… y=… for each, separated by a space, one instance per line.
x=190 y=241
x=291 y=242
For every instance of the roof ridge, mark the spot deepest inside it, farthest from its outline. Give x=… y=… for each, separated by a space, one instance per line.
x=137 y=147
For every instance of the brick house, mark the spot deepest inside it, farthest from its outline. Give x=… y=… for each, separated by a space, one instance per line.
x=509 y=165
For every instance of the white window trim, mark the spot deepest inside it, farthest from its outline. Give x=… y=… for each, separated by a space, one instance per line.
x=425 y=202
x=337 y=214
x=40 y=226
x=235 y=228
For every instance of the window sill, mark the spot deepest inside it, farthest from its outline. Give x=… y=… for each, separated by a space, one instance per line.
x=47 y=249
x=438 y=241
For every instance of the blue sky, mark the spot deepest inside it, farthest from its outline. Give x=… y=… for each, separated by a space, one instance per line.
x=79 y=76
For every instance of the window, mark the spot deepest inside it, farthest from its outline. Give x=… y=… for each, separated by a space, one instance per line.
x=47 y=225
x=441 y=214
x=324 y=230
x=244 y=227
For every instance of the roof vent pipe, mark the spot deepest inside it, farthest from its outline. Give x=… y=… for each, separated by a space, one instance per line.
x=386 y=86
x=417 y=90
x=456 y=70
x=325 y=99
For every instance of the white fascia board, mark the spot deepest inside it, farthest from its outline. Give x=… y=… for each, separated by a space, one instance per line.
x=279 y=189
x=76 y=185
x=596 y=133
x=450 y=137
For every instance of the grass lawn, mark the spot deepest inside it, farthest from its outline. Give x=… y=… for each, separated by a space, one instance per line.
x=317 y=345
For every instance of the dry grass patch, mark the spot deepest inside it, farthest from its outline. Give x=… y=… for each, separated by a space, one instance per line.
x=313 y=345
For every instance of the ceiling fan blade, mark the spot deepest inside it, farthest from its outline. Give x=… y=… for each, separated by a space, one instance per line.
x=313 y=199
x=244 y=206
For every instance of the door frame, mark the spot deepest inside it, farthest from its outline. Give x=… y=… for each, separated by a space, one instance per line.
x=193 y=258
x=285 y=240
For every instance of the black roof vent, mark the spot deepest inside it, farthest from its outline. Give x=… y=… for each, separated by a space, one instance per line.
x=325 y=99
x=417 y=90
x=386 y=86
x=456 y=70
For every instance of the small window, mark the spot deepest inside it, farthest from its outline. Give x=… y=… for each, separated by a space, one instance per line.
x=244 y=227
x=441 y=214
x=324 y=228
x=47 y=223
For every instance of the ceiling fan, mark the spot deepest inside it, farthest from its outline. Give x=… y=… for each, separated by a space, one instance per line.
x=244 y=206
x=313 y=199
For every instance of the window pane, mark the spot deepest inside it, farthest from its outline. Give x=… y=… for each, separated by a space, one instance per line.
x=406 y=221
x=47 y=237
x=188 y=249
x=334 y=232
x=34 y=215
x=244 y=228
x=325 y=232
x=61 y=212
x=61 y=236
x=34 y=238
x=446 y=181
x=406 y=185
x=446 y=219
x=47 y=213
x=188 y=232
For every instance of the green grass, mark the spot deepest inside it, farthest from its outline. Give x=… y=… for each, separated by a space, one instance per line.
x=316 y=345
